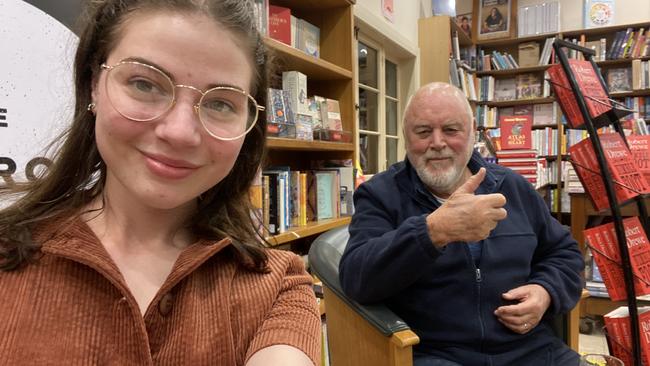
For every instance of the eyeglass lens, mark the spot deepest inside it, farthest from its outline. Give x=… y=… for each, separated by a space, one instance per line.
x=143 y=93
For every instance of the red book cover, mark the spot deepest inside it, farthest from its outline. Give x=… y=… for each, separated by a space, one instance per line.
x=280 y=24
x=617 y=323
x=629 y=181
x=606 y=253
x=518 y=153
x=516 y=132
x=608 y=260
x=589 y=84
x=640 y=149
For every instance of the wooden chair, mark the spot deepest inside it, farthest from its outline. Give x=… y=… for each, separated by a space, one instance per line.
x=372 y=335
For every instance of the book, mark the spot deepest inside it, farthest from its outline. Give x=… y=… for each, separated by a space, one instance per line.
x=605 y=250
x=331 y=115
x=617 y=325
x=308 y=38
x=528 y=86
x=545 y=114
x=589 y=83
x=627 y=178
x=516 y=132
x=280 y=24
x=294 y=84
x=505 y=89
x=640 y=149
x=619 y=80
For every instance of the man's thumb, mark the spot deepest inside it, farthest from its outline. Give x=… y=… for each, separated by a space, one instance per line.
x=472 y=183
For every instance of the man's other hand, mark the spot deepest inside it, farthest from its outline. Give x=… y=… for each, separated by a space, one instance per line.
x=533 y=300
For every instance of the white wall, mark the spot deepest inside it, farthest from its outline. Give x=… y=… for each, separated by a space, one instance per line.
x=571 y=11
x=403 y=32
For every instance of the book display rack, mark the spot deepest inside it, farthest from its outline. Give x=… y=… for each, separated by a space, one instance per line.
x=581 y=95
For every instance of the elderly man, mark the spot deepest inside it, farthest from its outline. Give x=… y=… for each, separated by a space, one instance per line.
x=466 y=252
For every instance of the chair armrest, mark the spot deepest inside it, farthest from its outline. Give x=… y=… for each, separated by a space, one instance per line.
x=380 y=316
x=324 y=257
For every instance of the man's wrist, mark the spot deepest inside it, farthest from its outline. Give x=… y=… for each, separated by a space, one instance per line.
x=437 y=236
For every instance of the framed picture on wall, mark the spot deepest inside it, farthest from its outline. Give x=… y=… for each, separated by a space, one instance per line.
x=494 y=19
x=464 y=21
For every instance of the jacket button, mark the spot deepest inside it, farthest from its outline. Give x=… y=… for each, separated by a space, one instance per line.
x=165 y=304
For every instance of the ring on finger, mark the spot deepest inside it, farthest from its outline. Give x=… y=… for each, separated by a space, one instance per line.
x=526 y=325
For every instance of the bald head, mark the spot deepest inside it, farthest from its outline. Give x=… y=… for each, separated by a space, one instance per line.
x=435 y=96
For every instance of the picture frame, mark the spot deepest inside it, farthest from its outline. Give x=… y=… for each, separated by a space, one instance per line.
x=464 y=22
x=494 y=19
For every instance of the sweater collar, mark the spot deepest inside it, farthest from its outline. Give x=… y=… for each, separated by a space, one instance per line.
x=73 y=239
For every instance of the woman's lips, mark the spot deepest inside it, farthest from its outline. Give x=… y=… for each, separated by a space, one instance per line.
x=169 y=168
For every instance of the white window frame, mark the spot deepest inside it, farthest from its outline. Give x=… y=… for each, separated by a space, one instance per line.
x=382 y=56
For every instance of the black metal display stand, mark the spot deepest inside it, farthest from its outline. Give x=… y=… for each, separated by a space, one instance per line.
x=591 y=124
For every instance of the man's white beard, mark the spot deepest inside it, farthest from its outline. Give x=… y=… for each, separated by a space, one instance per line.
x=444 y=181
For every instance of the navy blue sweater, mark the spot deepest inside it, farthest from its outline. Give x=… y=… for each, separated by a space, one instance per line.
x=446 y=300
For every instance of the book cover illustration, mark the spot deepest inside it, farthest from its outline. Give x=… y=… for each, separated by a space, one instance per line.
x=529 y=86
x=516 y=132
x=619 y=80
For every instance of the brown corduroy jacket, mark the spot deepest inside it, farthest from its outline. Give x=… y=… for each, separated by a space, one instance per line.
x=73 y=307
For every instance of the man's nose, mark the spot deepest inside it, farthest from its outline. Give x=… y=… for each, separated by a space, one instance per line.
x=437 y=140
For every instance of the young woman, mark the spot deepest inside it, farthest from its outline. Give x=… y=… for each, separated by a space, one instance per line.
x=137 y=247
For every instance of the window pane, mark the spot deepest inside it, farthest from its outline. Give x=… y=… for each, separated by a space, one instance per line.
x=391 y=117
x=368 y=153
x=367 y=65
x=391 y=79
x=368 y=115
x=391 y=152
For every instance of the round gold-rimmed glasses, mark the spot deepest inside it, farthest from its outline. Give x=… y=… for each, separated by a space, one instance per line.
x=143 y=93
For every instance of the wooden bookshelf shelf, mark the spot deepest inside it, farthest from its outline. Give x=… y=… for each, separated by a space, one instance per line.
x=602 y=30
x=316 y=68
x=508 y=41
x=314 y=4
x=509 y=103
x=510 y=72
x=634 y=93
x=277 y=143
x=620 y=62
x=312 y=228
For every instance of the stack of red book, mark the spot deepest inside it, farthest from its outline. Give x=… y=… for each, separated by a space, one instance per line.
x=617 y=325
x=516 y=146
x=602 y=240
x=628 y=180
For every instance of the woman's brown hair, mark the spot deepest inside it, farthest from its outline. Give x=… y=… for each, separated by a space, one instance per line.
x=78 y=173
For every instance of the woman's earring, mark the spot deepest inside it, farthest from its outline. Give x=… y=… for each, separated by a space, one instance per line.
x=91 y=108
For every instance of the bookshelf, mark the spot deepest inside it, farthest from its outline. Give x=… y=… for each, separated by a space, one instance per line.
x=330 y=76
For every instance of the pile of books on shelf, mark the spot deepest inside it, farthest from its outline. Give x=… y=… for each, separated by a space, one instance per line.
x=516 y=150
x=278 y=23
x=287 y=198
x=291 y=114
